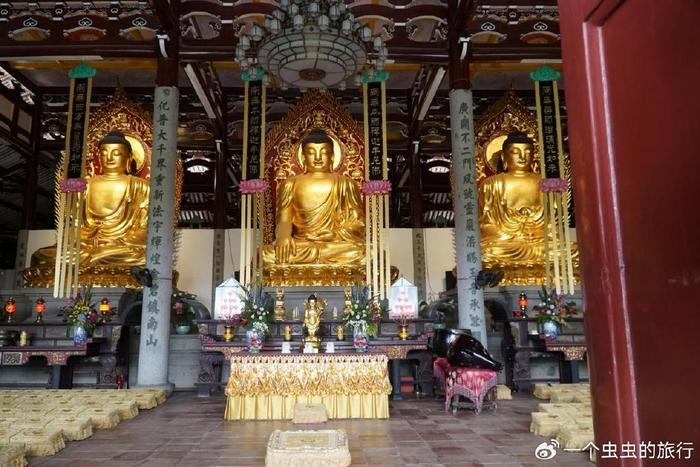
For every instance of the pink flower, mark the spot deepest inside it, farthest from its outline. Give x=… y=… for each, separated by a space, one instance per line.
x=376 y=187
x=253 y=186
x=73 y=185
x=549 y=185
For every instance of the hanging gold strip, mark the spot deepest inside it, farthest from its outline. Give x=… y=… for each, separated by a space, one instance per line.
x=369 y=256
x=564 y=198
x=386 y=262
x=69 y=222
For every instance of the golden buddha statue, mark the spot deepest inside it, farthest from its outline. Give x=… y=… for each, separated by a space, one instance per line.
x=319 y=213
x=312 y=321
x=115 y=217
x=512 y=215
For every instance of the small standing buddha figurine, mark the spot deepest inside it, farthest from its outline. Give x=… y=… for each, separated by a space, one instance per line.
x=280 y=312
x=312 y=321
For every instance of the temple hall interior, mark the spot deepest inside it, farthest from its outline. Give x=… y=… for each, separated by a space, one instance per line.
x=349 y=232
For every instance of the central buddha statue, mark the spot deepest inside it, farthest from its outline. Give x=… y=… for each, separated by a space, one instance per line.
x=319 y=213
x=511 y=214
x=114 y=217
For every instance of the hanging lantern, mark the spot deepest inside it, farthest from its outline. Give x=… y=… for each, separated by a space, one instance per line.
x=10 y=308
x=313 y=9
x=334 y=11
x=366 y=33
x=105 y=309
x=324 y=22
x=40 y=308
x=244 y=42
x=256 y=33
x=298 y=21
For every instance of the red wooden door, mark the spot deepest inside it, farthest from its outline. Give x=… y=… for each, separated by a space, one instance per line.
x=632 y=78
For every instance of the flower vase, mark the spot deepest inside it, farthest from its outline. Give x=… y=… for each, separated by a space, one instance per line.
x=255 y=342
x=403 y=331
x=550 y=330
x=79 y=335
x=360 y=341
x=228 y=333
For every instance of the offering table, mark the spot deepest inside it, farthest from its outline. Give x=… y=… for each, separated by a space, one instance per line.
x=267 y=386
x=216 y=351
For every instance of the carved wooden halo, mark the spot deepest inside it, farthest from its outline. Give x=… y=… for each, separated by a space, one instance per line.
x=505 y=116
x=317 y=109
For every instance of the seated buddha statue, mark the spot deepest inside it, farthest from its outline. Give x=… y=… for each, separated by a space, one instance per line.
x=114 y=216
x=319 y=213
x=511 y=211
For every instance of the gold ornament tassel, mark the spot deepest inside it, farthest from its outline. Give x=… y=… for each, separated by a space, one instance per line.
x=252 y=186
x=558 y=256
x=376 y=187
x=72 y=184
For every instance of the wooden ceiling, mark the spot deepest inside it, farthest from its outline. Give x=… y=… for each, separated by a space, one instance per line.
x=40 y=41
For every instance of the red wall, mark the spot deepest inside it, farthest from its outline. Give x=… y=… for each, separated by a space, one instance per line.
x=632 y=74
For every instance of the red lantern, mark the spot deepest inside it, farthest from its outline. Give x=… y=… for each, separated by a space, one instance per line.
x=522 y=302
x=10 y=308
x=40 y=307
x=104 y=309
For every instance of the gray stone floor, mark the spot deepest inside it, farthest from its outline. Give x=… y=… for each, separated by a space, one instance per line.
x=190 y=431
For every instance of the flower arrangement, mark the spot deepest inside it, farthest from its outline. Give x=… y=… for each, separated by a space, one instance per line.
x=257 y=310
x=552 y=307
x=365 y=312
x=80 y=311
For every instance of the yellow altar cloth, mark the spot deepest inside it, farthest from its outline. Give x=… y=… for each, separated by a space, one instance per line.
x=267 y=387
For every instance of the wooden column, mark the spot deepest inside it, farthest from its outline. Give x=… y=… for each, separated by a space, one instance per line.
x=416 y=191
x=632 y=102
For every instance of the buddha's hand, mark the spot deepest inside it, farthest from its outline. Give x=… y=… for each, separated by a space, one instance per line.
x=285 y=247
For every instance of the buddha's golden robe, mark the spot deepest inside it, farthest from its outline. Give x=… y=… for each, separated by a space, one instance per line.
x=512 y=220
x=332 y=231
x=114 y=230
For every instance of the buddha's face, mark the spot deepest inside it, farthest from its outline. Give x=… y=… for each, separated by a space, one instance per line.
x=114 y=158
x=318 y=157
x=518 y=157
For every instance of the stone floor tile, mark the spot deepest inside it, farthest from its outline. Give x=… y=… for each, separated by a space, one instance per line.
x=190 y=431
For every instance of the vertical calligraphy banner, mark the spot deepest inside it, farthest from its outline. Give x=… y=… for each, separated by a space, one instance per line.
x=465 y=201
x=559 y=264
x=252 y=186
x=376 y=188
x=72 y=183
x=155 y=314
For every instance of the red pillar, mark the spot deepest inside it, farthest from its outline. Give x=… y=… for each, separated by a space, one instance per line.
x=632 y=96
